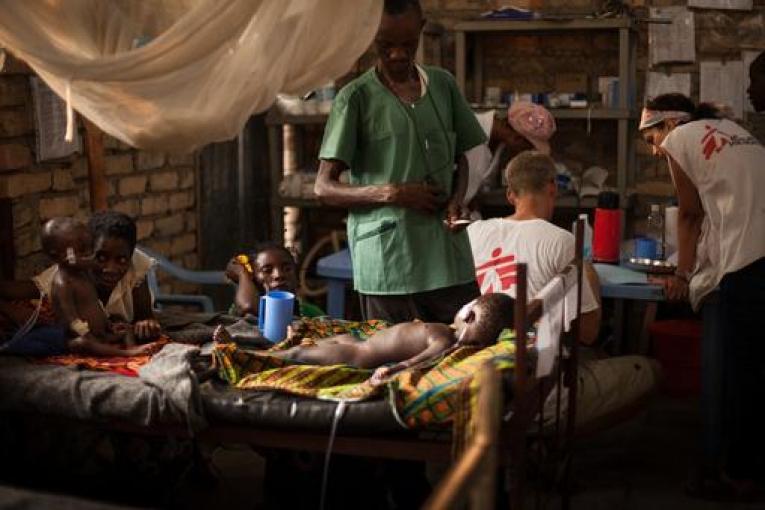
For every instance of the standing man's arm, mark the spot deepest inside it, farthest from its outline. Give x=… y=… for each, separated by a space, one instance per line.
x=331 y=191
x=456 y=209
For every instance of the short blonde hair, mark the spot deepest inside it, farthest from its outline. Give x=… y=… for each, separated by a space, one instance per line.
x=530 y=172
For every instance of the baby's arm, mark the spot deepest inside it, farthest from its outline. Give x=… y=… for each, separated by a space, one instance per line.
x=439 y=339
x=87 y=345
x=89 y=328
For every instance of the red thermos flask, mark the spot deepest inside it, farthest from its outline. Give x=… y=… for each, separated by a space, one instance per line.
x=606 y=235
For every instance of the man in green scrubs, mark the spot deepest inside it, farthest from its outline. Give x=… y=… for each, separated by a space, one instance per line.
x=400 y=128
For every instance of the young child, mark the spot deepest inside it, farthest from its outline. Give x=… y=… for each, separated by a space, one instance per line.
x=73 y=293
x=269 y=267
x=408 y=343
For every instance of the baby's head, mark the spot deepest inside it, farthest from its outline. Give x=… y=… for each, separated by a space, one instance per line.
x=481 y=321
x=274 y=268
x=68 y=242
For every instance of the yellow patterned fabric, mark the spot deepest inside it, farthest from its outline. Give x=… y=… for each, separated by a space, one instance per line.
x=435 y=394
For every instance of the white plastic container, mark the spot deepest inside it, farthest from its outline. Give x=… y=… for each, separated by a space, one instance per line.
x=587 y=245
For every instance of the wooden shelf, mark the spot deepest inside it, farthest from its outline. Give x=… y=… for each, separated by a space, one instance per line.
x=595 y=112
x=497 y=198
x=276 y=117
x=542 y=25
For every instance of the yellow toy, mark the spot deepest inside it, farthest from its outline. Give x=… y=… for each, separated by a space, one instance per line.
x=245 y=261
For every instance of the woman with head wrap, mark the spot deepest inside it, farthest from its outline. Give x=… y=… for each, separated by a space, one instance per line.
x=717 y=170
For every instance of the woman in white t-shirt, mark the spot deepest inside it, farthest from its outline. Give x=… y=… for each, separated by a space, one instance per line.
x=718 y=169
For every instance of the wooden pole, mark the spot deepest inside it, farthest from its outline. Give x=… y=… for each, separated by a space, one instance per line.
x=7 y=252
x=97 y=184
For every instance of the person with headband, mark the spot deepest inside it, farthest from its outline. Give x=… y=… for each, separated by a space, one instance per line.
x=716 y=167
x=528 y=126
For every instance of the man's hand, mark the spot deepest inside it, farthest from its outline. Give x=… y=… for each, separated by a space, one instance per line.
x=147 y=329
x=418 y=196
x=235 y=270
x=457 y=216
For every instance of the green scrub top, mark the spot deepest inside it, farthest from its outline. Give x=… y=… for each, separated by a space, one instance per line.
x=383 y=140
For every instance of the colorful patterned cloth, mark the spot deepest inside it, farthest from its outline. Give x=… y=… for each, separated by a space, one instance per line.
x=435 y=394
x=125 y=365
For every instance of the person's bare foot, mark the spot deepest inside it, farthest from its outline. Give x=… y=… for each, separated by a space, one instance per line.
x=221 y=336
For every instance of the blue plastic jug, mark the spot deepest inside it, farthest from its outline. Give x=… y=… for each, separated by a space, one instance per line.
x=275 y=313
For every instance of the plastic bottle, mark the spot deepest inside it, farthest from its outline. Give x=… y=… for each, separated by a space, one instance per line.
x=587 y=245
x=655 y=229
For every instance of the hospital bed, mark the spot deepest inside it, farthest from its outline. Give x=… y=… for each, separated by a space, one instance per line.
x=276 y=420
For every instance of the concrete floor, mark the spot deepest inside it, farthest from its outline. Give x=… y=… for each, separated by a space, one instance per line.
x=641 y=464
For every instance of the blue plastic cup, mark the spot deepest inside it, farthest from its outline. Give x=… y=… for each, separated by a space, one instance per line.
x=645 y=248
x=275 y=313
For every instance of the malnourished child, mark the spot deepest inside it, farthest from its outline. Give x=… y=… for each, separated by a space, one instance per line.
x=73 y=293
x=408 y=343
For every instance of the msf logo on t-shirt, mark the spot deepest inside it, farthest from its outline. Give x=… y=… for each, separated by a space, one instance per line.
x=713 y=141
x=498 y=274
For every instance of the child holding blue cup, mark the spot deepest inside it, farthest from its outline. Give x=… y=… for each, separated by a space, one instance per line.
x=270 y=267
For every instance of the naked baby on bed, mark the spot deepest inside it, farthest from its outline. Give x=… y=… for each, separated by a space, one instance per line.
x=406 y=344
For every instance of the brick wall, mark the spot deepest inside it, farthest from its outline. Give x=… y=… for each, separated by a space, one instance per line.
x=157 y=190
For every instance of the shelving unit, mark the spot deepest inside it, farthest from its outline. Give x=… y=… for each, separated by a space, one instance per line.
x=275 y=122
x=497 y=198
x=625 y=115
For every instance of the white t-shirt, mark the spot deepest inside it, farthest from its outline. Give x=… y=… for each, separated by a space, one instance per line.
x=727 y=166
x=499 y=244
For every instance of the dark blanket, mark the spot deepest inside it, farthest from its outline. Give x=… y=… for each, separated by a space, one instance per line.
x=165 y=392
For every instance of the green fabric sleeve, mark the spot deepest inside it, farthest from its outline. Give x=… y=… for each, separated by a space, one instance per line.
x=341 y=131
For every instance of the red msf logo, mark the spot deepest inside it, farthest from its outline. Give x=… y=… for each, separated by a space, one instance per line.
x=499 y=273
x=713 y=142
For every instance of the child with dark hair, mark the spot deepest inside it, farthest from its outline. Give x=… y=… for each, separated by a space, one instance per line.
x=119 y=273
x=269 y=267
x=80 y=322
x=73 y=293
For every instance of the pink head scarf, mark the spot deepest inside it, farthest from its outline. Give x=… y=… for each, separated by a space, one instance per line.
x=533 y=122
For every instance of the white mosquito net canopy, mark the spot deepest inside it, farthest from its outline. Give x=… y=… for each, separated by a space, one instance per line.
x=177 y=74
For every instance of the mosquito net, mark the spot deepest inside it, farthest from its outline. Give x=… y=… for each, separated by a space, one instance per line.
x=176 y=74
